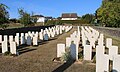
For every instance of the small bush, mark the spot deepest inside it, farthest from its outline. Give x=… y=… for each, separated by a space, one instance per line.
x=7 y=53
x=66 y=56
x=4 y=26
x=80 y=55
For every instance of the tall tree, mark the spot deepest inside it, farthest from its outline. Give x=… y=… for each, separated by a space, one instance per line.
x=4 y=15
x=25 y=17
x=109 y=13
x=88 y=18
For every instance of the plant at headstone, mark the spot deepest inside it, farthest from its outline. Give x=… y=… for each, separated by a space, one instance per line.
x=80 y=55
x=7 y=53
x=66 y=56
x=4 y=15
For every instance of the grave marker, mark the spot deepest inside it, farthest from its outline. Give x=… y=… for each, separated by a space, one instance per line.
x=60 y=50
x=13 y=48
x=4 y=46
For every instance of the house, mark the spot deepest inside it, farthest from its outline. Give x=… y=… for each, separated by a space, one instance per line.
x=69 y=16
x=48 y=18
x=40 y=18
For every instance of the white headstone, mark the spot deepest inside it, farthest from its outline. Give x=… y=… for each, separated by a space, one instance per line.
x=5 y=38
x=17 y=40
x=116 y=63
x=22 y=34
x=100 y=58
x=87 y=52
x=68 y=42
x=105 y=63
x=108 y=42
x=40 y=36
x=60 y=50
x=22 y=38
x=52 y=34
x=100 y=40
x=10 y=38
x=0 y=38
x=13 y=49
x=35 y=41
x=113 y=50
x=4 y=46
x=17 y=34
x=33 y=32
x=36 y=34
x=26 y=35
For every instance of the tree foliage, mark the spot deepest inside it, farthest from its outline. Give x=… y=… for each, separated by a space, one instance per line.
x=25 y=18
x=109 y=13
x=88 y=18
x=4 y=15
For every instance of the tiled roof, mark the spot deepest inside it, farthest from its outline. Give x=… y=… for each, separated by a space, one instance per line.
x=69 y=15
x=37 y=16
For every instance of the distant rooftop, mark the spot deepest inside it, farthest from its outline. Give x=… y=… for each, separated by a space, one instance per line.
x=69 y=15
x=37 y=16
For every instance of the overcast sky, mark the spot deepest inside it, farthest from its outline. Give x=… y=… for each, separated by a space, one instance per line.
x=52 y=8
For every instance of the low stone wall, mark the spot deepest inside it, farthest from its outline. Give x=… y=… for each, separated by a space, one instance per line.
x=109 y=31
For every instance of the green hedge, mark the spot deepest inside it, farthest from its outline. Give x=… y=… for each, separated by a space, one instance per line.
x=56 y=22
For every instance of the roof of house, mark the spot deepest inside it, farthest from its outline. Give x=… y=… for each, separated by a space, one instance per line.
x=37 y=16
x=69 y=15
x=48 y=17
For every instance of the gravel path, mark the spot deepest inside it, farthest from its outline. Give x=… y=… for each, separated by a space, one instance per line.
x=39 y=59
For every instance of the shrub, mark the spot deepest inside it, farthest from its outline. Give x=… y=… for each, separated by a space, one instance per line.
x=66 y=56
x=80 y=55
x=7 y=53
x=4 y=26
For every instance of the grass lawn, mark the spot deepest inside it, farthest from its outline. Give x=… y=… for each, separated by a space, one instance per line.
x=39 y=59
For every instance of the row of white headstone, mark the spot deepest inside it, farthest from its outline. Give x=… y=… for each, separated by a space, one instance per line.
x=4 y=44
x=102 y=59
x=91 y=38
x=31 y=37
x=72 y=42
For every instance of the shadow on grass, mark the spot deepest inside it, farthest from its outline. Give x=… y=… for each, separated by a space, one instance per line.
x=24 y=50
x=52 y=39
x=42 y=43
x=63 y=67
x=114 y=70
x=45 y=41
x=22 y=46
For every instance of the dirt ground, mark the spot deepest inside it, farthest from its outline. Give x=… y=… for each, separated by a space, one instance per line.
x=39 y=59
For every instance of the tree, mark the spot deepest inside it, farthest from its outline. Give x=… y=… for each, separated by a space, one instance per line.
x=88 y=18
x=109 y=13
x=25 y=18
x=4 y=15
x=33 y=18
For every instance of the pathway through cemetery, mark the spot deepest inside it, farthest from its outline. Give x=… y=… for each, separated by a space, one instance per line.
x=39 y=59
